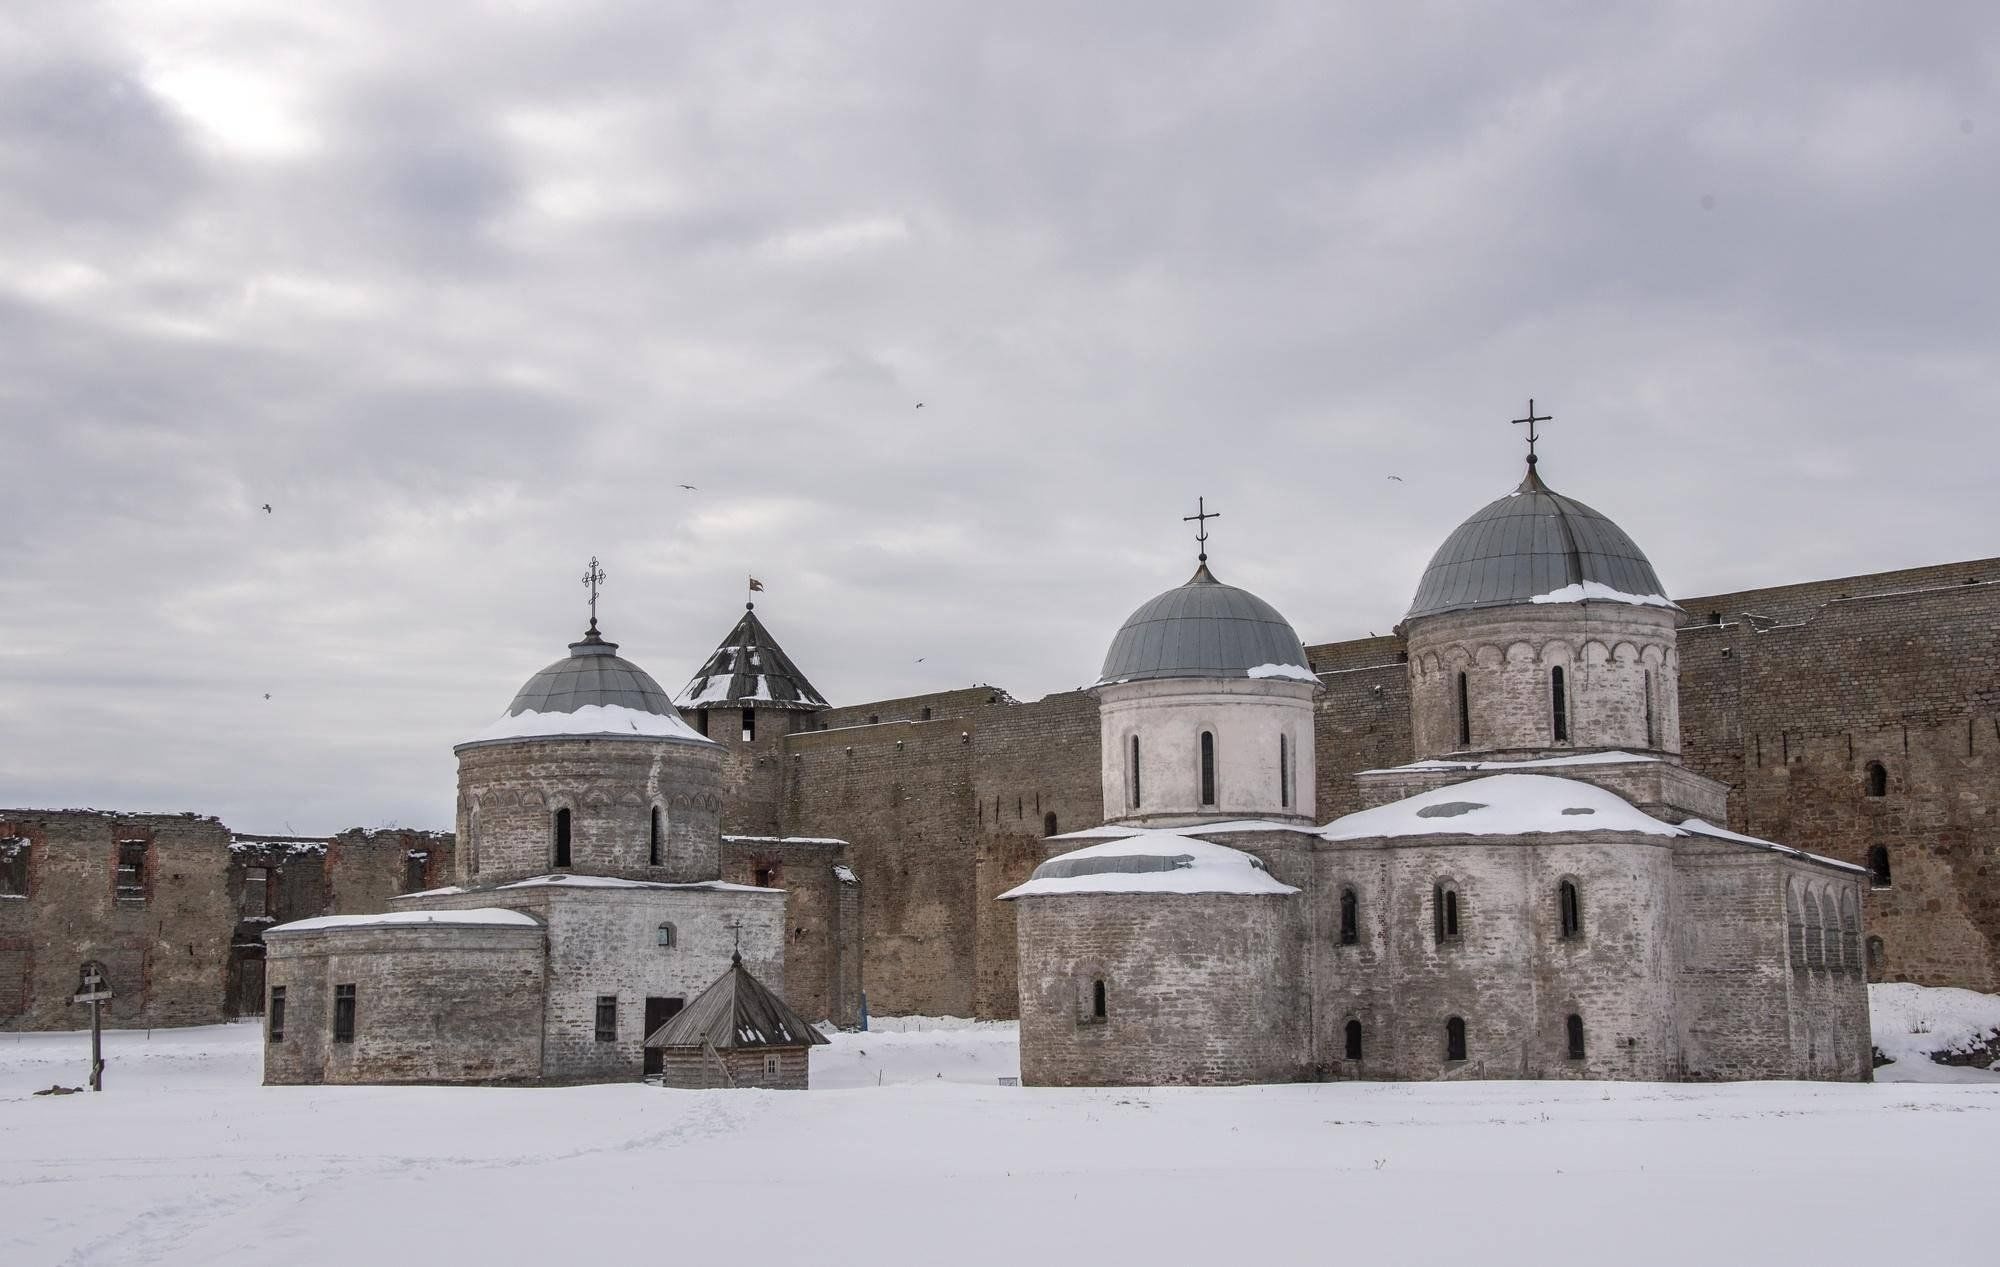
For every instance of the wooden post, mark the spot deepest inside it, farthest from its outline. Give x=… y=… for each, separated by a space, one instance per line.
x=96 y=1048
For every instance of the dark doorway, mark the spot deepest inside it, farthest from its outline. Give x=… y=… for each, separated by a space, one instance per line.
x=246 y=979
x=658 y=1013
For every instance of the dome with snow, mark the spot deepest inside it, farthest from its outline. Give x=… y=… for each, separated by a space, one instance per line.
x=590 y=692
x=1152 y=862
x=1536 y=546
x=1205 y=629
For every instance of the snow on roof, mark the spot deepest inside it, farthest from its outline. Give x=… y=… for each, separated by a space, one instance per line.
x=1598 y=590
x=1697 y=827
x=484 y=917
x=1540 y=763
x=786 y=840
x=1500 y=805
x=438 y=892
x=1296 y=672
x=1121 y=831
x=567 y=881
x=590 y=719
x=1152 y=862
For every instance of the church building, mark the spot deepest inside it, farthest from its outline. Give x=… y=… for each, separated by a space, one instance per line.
x=1544 y=892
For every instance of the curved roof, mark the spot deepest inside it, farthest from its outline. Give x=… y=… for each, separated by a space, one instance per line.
x=750 y=668
x=590 y=691
x=1535 y=545
x=1152 y=862
x=1205 y=629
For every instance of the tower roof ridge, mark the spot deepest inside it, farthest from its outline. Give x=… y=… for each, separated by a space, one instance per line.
x=749 y=668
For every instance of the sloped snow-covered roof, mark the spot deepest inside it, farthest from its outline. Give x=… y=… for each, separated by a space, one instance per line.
x=1152 y=862
x=1698 y=827
x=749 y=667
x=738 y=1010
x=1539 y=763
x=1500 y=805
x=1122 y=831
x=482 y=917
x=591 y=692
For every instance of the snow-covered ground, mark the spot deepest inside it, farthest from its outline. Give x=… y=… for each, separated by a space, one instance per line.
x=909 y=1151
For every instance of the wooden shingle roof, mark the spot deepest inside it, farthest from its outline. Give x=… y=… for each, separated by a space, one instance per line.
x=750 y=668
x=737 y=1011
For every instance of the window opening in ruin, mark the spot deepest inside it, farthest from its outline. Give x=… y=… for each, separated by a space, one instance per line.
x=927 y=712
x=131 y=870
x=415 y=863
x=1464 y=712
x=1135 y=772
x=1559 y=704
x=343 y=1013
x=607 y=1018
x=874 y=719
x=654 y=834
x=1207 y=767
x=1284 y=773
x=1049 y=823
x=256 y=896
x=1878 y=779
x=667 y=935
x=1097 y=1000
x=1354 y=1040
x=275 y=1014
x=1571 y=908
x=749 y=724
x=562 y=836
x=1876 y=954
x=1444 y=912
x=1454 y=1039
x=1350 y=917
x=1652 y=740
x=766 y=877
x=14 y=866
x=1878 y=867
x=1575 y=1036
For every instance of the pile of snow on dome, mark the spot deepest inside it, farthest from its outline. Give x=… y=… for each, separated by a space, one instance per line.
x=1152 y=862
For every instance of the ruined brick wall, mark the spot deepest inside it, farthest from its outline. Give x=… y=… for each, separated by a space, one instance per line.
x=822 y=917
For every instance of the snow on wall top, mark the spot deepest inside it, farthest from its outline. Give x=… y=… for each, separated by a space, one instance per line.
x=1152 y=862
x=483 y=917
x=1697 y=827
x=1598 y=591
x=1500 y=805
x=1542 y=763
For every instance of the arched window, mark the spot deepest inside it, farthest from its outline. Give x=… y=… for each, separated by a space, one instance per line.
x=1850 y=934
x=1559 y=704
x=1796 y=922
x=1464 y=712
x=1284 y=773
x=1454 y=1039
x=1829 y=918
x=1815 y=947
x=655 y=838
x=1097 y=1011
x=667 y=936
x=1876 y=955
x=1575 y=1036
x=1878 y=779
x=562 y=837
x=1878 y=867
x=1049 y=823
x=472 y=840
x=1571 y=909
x=1135 y=772
x=1444 y=911
x=1354 y=1040
x=1208 y=767
x=1350 y=917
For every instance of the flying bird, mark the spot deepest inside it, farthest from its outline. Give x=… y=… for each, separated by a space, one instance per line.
x=690 y=488
x=920 y=404
x=920 y=659
x=267 y=695
x=1397 y=478
x=267 y=508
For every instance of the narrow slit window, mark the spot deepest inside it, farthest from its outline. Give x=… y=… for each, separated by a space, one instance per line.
x=1097 y=1011
x=1284 y=773
x=343 y=1014
x=1464 y=712
x=1652 y=729
x=1454 y=1038
x=1208 y=767
x=562 y=837
x=655 y=838
x=1878 y=867
x=1559 y=704
x=275 y=1014
x=1049 y=824
x=1135 y=772
x=1571 y=907
x=1878 y=779
x=749 y=724
x=607 y=1018
x=1444 y=912
x=1575 y=1036
x=1354 y=1040
x=1350 y=917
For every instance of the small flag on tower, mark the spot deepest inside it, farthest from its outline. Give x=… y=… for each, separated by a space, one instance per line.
x=756 y=586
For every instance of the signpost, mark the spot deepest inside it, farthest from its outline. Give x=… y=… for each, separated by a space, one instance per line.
x=93 y=986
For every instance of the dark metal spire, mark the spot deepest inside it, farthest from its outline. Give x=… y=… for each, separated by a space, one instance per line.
x=1533 y=435
x=1202 y=514
x=594 y=577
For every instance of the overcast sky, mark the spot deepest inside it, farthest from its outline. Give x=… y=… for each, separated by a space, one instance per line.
x=466 y=292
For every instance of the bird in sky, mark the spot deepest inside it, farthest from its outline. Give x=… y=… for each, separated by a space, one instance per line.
x=690 y=488
x=267 y=695
x=267 y=508
x=920 y=659
x=920 y=404
x=1397 y=478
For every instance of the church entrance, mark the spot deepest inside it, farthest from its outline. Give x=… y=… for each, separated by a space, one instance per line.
x=659 y=1012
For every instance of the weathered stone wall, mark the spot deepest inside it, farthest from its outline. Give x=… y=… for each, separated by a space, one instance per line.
x=1199 y=989
x=433 y=1003
x=1249 y=723
x=822 y=917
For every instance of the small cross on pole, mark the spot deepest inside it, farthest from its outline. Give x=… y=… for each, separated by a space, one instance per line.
x=1533 y=435
x=1202 y=514
x=593 y=578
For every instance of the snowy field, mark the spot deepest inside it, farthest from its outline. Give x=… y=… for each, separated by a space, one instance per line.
x=909 y=1151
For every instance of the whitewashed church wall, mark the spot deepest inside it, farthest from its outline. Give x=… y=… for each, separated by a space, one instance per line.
x=1246 y=717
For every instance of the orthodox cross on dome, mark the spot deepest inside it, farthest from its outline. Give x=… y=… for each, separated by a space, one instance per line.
x=1202 y=514
x=593 y=578
x=1533 y=435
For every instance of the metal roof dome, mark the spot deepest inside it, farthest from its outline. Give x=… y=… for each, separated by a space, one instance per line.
x=1535 y=545
x=592 y=673
x=1205 y=629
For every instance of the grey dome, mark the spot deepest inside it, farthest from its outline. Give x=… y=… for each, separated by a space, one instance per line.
x=1530 y=543
x=592 y=673
x=1202 y=629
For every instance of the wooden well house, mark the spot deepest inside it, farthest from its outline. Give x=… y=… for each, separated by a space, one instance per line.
x=736 y=1033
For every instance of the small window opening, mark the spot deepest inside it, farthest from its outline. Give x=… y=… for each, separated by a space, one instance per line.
x=666 y=936
x=1575 y=1036
x=1284 y=772
x=874 y=719
x=274 y=1015
x=1354 y=1040
x=749 y=724
x=701 y=720
x=607 y=1018
x=14 y=866
x=562 y=837
x=1878 y=779
x=1444 y=912
x=1207 y=767
x=1135 y=772
x=256 y=899
x=771 y=1065
x=767 y=877
x=416 y=866
x=1350 y=917
x=1652 y=737
x=1559 y=704
x=927 y=712
x=654 y=838
x=1876 y=957
x=1097 y=1000
x=1049 y=823
x=1454 y=1039
x=1571 y=909
x=343 y=1013
x=1464 y=712
x=131 y=870
x=1878 y=867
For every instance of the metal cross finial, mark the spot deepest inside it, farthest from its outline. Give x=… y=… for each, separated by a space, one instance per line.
x=593 y=578
x=1202 y=514
x=1533 y=435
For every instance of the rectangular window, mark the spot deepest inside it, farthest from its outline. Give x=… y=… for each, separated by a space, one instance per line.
x=275 y=1014
x=701 y=720
x=749 y=724
x=415 y=863
x=1207 y=768
x=1559 y=704
x=1284 y=774
x=772 y=1065
x=131 y=870
x=1464 y=713
x=607 y=1018
x=14 y=866
x=1652 y=740
x=256 y=899
x=1135 y=772
x=343 y=1014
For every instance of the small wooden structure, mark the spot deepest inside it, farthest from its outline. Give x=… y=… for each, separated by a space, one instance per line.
x=736 y=1033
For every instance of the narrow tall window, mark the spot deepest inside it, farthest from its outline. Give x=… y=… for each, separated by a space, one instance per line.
x=1878 y=867
x=131 y=871
x=416 y=865
x=1350 y=917
x=256 y=898
x=274 y=1015
x=1454 y=1039
x=343 y=1014
x=1652 y=737
x=1464 y=712
x=1354 y=1040
x=655 y=835
x=666 y=936
x=1815 y=948
x=562 y=837
x=749 y=724
x=1559 y=704
x=1571 y=908
x=1444 y=912
x=14 y=866
x=1876 y=955
x=766 y=877
x=1049 y=823
x=1878 y=779
x=701 y=720
x=1135 y=772
x=1575 y=1036
x=1207 y=767
x=1284 y=773
x=1850 y=934
x=607 y=1018
x=1097 y=1011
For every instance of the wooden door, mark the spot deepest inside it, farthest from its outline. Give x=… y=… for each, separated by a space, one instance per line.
x=658 y=1012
